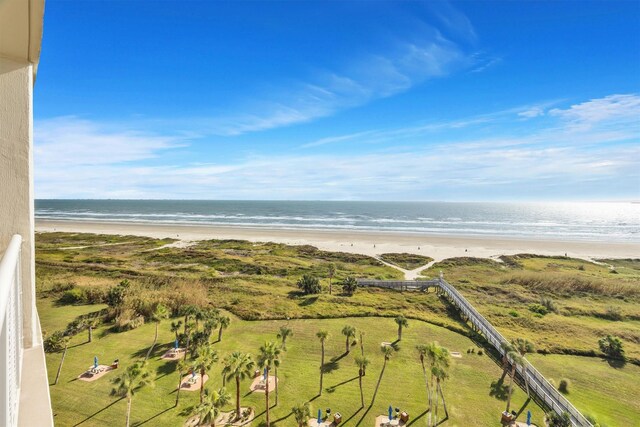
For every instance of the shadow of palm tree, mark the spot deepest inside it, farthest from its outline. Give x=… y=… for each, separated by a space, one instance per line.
x=330 y=366
x=158 y=350
x=415 y=419
x=308 y=301
x=352 y=415
x=342 y=383
x=616 y=363
x=151 y=418
x=97 y=412
x=499 y=390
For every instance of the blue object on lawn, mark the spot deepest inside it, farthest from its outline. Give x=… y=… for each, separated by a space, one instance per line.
x=265 y=374
x=528 y=418
x=175 y=344
x=95 y=362
x=390 y=412
x=319 y=416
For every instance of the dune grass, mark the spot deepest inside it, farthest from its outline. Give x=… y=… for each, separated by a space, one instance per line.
x=406 y=261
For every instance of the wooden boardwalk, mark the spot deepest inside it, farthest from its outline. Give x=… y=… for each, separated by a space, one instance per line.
x=538 y=384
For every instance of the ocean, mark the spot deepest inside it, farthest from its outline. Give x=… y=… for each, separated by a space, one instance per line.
x=562 y=221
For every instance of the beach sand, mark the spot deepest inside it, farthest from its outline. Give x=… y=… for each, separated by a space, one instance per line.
x=368 y=243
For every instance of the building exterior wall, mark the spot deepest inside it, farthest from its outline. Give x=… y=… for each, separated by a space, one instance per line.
x=16 y=178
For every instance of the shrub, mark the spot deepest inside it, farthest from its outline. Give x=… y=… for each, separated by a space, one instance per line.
x=514 y=313
x=581 y=267
x=73 y=296
x=613 y=313
x=563 y=387
x=309 y=285
x=549 y=304
x=538 y=308
x=611 y=346
x=480 y=352
x=349 y=285
x=555 y=420
x=55 y=342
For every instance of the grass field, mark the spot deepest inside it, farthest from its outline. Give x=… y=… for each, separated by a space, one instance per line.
x=256 y=283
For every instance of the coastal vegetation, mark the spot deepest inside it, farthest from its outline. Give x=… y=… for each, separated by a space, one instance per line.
x=125 y=287
x=406 y=261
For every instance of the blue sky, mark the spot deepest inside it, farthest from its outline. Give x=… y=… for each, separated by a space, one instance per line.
x=359 y=100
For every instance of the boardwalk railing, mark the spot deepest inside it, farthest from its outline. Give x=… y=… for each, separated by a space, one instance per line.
x=400 y=285
x=538 y=384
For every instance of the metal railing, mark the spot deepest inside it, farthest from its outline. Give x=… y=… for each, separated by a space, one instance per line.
x=538 y=384
x=402 y=285
x=11 y=346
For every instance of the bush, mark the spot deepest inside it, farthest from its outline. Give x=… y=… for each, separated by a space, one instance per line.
x=349 y=285
x=555 y=420
x=514 y=313
x=538 y=308
x=613 y=313
x=55 y=342
x=73 y=296
x=480 y=352
x=309 y=285
x=563 y=387
x=549 y=304
x=611 y=346
x=94 y=295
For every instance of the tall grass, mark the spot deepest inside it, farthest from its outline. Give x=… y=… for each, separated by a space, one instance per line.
x=561 y=283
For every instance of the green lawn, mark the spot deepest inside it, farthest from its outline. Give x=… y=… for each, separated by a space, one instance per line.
x=469 y=391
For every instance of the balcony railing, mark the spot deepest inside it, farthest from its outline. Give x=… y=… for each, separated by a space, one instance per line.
x=11 y=346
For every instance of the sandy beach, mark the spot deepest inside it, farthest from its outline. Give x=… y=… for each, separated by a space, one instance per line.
x=368 y=243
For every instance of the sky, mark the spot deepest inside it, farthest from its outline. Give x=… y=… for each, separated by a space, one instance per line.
x=330 y=100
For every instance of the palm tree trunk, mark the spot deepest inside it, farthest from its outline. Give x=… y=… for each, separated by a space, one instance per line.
x=237 y=397
x=362 y=345
x=90 y=333
x=220 y=334
x=201 y=384
x=513 y=371
x=266 y=394
x=361 y=393
x=321 y=369
x=426 y=379
x=186 y=347
x=431 y=403
x=64 y=353
x=444 y=404
x=329 y=285
x=276 y=372
x=346 y=345
x=436 y=414
x=128 y=410
x=155 y=340
x=526 y=382
x=179 y=387
x=400 y=333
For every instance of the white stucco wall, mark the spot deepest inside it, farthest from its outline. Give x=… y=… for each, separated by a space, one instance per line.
x=16 y=179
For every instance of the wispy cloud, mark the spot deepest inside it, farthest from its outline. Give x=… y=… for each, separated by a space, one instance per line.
x=370 y=76
x=554 y=159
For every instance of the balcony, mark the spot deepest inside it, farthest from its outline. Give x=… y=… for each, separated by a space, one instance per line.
x=24 y=388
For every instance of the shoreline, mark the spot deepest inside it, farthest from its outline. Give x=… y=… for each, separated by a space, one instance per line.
x=370 y=243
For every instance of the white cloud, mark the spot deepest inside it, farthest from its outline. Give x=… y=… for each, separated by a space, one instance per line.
x=368 y=77
x=611 y=109
x=532 y=113
x=71 y=141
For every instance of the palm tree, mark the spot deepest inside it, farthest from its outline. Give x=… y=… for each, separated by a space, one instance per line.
x=283 y=335
x=302 y=413
x=223 y=323
x=158 y=314
x=207 y=356
x=362 y=363
x=524 y=346
x=349 y=285
x=440 y=372
x=331 y=269
x=238 y=366
x=209 y=409
x=516 y=359
x=401 y=321
x=188 y=311
x=387 y=352
x=269 y=356
x=181 y=368
x=423 y=352
x=132 y=379
x=349 y=332
x=322 y=335
x=175 y=327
